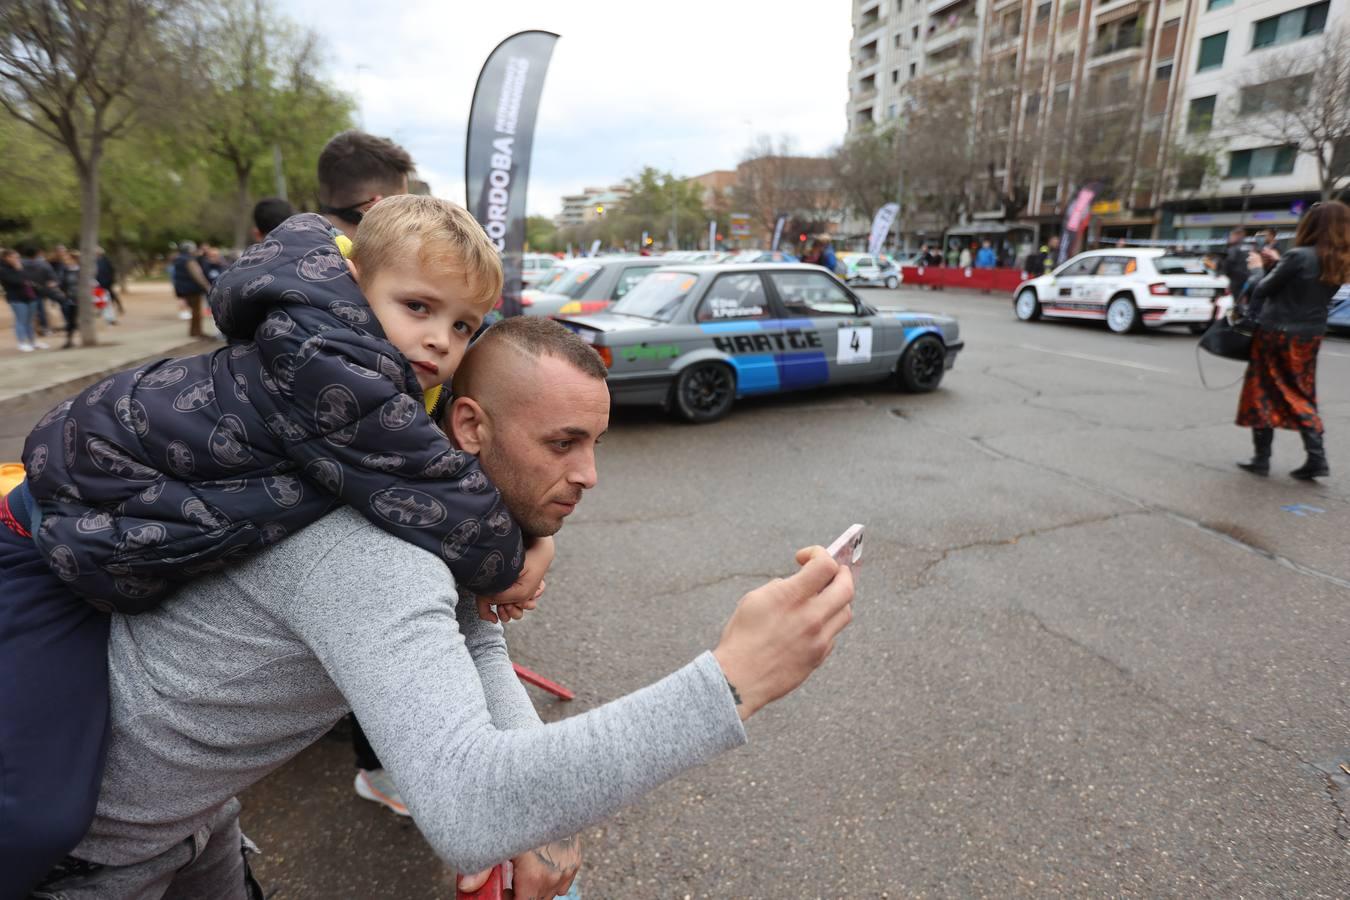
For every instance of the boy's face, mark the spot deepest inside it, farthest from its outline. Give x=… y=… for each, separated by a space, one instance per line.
x=428 y=313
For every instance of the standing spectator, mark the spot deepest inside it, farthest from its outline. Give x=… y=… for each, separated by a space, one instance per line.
x=812 y=255
x=42 y=275
x=22 y=297
x=106 y=277
x=1235 y=261
x=963 y=261
x=66 y=265
x=827 y=257
x=190 y=285
x=986 y=259
x=212 y=263
x=1289 y=312
x=268 y=213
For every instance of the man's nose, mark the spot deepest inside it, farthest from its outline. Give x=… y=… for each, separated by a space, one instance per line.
x=584 y=474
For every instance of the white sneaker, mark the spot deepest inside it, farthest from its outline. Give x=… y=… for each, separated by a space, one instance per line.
x=376 y=785
x=42 y=345
x=25 y=347
x=184 y=315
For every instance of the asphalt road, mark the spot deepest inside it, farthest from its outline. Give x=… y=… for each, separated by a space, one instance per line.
x=1089 y=656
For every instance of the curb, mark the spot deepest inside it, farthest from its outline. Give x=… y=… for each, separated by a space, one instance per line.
x=55 y=393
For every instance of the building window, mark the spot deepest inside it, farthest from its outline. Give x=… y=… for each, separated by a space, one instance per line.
x=1043 y=12
x=913 y=67
x=1172 y=23
x=1050 y=193
x=914 y=33
x=891 y=111
x=1163 y=72
x=895 y=76
x=1273 y=96
x=1262 y=161
x=1217 y=4
x=1290 y=26
x=1211 y=51
x=899 y=5
x=898 y=39
x=1033 y=106
x=1201 y=116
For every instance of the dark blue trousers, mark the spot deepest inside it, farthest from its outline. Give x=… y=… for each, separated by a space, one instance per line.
x=53 y=715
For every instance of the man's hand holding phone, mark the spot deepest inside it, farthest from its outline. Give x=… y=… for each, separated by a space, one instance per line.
x=781 y=632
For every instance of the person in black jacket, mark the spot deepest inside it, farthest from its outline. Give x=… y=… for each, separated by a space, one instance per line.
x=155 y=476
x=1234 y=264
x=1288 y=310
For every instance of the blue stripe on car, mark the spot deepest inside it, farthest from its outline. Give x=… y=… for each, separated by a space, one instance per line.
x=802 y=370
x=756 y=373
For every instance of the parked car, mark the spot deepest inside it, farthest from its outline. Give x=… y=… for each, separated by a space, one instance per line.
x=589 y=285
x=695 y=338
x=1338 y=317
x=865 y=270
x=1128 y=289
x=535 y=266
x=761 y=256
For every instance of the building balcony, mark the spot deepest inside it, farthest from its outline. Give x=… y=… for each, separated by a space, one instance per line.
x=942 y=64
x=944 y=38
x=1001 y=41
x=1123 y=47
x=938 y=6
x=864 y=96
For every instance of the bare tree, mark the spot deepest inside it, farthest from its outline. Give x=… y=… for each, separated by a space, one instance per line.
x=764 y=181
x=937 y=162
x=260 y=82
x=1302 y=99
x=867 y=170
x=78 y=73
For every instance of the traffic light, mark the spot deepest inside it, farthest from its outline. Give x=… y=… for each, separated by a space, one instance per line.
x=801 y=237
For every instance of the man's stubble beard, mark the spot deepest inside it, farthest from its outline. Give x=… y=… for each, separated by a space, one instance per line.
x=515 y=495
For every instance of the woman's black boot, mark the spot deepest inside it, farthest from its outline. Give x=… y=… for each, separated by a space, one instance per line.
x=1262 y=438
x=1316 y=465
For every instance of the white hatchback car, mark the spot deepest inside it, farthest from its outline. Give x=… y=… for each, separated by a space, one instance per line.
x=1129 y=289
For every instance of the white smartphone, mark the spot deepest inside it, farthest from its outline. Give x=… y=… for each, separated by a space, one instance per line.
x=848 y=547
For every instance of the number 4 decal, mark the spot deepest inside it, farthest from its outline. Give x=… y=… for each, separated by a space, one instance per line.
x=855 y=346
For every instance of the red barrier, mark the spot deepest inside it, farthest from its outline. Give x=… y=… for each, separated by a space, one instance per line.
x=1003 y=281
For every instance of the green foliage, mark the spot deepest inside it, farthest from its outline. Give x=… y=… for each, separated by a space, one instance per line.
x=541 y=235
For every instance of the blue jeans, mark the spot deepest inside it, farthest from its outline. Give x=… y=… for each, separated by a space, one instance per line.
x=23 y=320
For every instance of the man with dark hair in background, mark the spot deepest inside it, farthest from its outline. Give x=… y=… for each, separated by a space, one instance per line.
x=1234 y=263
x=355 y=170
x=268 y=213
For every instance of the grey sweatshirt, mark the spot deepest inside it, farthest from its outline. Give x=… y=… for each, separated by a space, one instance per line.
x=238 y=672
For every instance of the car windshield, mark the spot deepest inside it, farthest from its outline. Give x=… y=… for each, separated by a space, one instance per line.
x=1179 y=265
x=572 y=281
x=551 y=277
x=658 y=296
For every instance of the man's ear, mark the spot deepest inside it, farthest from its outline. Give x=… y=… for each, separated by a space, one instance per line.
x=469 y=426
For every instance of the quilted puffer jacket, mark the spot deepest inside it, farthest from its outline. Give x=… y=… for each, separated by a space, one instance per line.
x=160 y=474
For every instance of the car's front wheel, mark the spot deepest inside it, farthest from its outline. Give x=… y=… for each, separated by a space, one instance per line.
x=892 y=282
x=1027 y=307
x=922 y=364
x=704 y=392
x=1122 y=316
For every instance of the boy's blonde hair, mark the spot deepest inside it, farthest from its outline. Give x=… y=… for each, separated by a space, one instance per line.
x=439 y=233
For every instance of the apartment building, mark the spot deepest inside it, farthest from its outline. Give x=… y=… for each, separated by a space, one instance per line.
x=578 y=209
x=1260 y=181
x=1072 y=91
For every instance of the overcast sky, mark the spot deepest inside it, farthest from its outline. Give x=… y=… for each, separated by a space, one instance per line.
x=680 y=87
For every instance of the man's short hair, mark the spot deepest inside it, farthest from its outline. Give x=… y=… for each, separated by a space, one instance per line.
x=355 y=166
x=435 y=232
x=270 y=212
x=537 y=336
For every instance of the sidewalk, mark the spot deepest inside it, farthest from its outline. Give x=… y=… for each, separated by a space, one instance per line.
x=149 y=329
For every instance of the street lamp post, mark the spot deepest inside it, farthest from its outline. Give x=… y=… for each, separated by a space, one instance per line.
x=1247 y=188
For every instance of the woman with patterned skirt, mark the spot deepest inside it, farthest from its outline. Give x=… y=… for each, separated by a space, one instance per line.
x=1289 y=313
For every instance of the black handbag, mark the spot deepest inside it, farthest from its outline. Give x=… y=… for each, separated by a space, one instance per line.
x=1223 y=338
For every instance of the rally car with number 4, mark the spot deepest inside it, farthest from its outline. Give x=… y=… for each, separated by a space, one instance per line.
x=694 y=339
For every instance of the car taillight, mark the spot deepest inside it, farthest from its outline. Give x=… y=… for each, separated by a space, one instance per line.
x=526 y=301
x=606 y=356
x=1159 y=290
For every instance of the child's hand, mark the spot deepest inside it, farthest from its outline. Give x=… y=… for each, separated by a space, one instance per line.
x=512 y=603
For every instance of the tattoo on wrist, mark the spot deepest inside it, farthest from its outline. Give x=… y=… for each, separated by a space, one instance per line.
x=735 y=695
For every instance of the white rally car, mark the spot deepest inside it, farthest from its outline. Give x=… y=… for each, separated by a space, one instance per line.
x=1129 y=289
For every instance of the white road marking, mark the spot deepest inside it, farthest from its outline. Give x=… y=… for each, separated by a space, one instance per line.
x=1100 y=359
x=1334 y=353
